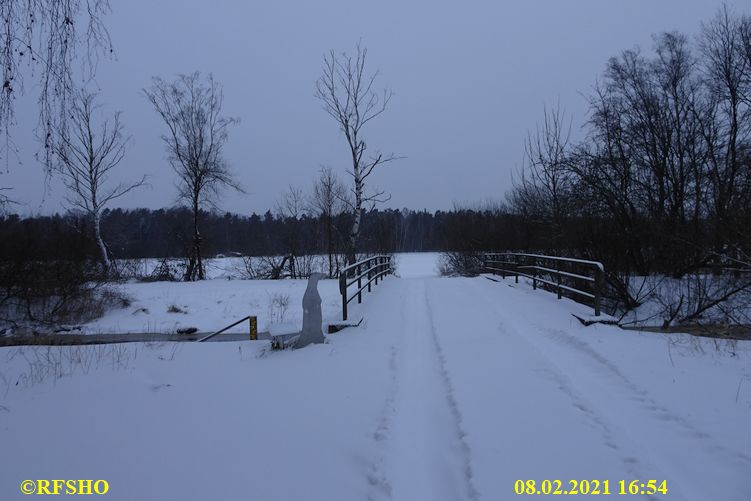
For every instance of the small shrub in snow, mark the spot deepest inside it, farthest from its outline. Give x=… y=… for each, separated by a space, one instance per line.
x=278 y=305
x=45 y=363
x=166 y=271
x=173 y=308
x=460 y=264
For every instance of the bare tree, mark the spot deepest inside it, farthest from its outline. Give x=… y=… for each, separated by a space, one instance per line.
x=291 y=204
x=290 y=207
x=191 y=110
x=545 y=184
x=86 y=154
x=329 y=201
x=726 y=69
x=45 y=37
x=346 y=91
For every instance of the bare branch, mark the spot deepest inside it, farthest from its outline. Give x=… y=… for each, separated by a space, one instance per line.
x=348 y=96
x=197 y=133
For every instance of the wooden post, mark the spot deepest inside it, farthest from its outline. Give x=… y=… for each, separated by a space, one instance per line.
x=558 y=269
x=343 y=291
x=370 y=275
x=377 y=269
x=516 y=269
x=534 y=274
x=253 y=325
x=598 y=290
x=359 y=284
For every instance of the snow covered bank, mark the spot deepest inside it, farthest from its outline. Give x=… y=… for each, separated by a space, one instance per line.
x=210 y=305
x=164 y=307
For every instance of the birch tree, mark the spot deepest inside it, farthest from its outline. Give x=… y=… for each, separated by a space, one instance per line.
x=197 y=132
x=43 y=40
x=348 y=96
x=86 y=155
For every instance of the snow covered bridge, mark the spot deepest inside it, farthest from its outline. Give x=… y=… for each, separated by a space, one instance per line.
x=451 y=389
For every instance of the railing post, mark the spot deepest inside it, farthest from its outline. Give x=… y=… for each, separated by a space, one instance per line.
x=253 y=327
x=598 y=290
x=370 y=275
x=377 y=269
x=359 y=284
x=534 y=274
x=343 y=290
x=558 y=275
x=516 y=269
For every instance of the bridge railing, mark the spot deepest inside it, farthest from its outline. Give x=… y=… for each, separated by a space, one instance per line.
x=363 y=275
x=576 y=277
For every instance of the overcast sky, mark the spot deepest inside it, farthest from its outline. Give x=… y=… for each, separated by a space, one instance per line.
x=469 y=80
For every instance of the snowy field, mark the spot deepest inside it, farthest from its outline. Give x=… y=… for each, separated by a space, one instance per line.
x=164 y=307
x=451 y=389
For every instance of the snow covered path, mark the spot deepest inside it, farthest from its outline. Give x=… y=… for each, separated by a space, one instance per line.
x=425 y=456
x=545 y=398
x=499 y=383
x=451 y=389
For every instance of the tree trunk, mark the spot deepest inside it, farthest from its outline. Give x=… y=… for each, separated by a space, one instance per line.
x=106 y=265
x=355 y=233
x=330 y=243
x=195 y=263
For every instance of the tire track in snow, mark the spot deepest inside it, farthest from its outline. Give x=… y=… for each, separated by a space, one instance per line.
x=380 y=487
x=424 y=455
x=639 y=395
x=645 y=405
x=460 y=433
x=633 y=461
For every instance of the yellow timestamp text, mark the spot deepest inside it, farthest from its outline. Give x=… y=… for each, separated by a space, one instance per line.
x=590 y=487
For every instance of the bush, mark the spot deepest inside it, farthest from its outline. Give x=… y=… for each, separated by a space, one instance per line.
x=54 y=292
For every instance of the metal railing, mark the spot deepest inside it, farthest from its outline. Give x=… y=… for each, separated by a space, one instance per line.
x=252 y=329
x=579 y=277
x=370 y=269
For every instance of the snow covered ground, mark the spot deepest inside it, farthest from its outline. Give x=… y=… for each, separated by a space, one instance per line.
x=164 y=307
x=451 y=389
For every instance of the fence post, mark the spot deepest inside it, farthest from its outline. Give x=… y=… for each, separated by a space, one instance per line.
x=370 y=275
x=359 y=284
x=534 y=274
x=253 y=326
x=558 y=274
x=343 y=290
x=377 y=269
x=598 y=290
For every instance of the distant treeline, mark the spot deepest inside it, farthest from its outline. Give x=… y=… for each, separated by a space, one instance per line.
x=142 y=233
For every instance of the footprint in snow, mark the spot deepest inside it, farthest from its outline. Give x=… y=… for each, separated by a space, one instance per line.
x=157 y=387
